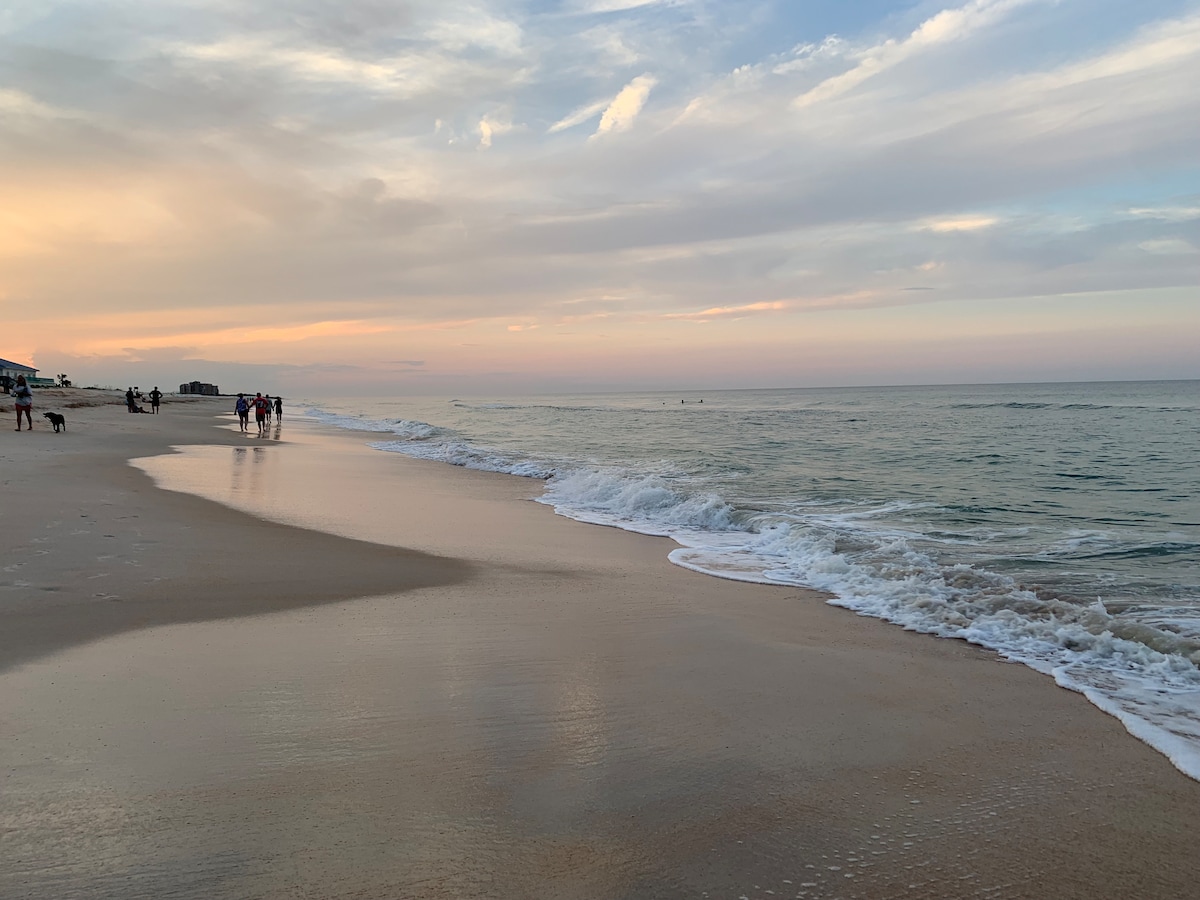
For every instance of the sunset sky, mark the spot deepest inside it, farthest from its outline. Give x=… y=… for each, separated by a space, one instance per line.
x=431 y=196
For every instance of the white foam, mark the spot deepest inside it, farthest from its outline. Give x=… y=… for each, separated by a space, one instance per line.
x=1143 y=673
x=1155 y=694
x=405 y=428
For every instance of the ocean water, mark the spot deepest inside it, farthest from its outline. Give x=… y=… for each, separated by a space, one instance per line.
x=1057 y=524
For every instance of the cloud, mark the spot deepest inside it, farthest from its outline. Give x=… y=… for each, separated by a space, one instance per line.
x=579 y=116
x=299 y=165
x=314 y=64
x=424 y=69
x=625 y=107
x=1168 y=213
x=725 y=312
x=472 y=25
x=239 y=334
x=612 y=44
x=1168 y=247
x=490 y=127
x=19 y=103
x=608 y=6
x=959 y=223
x=947 y=26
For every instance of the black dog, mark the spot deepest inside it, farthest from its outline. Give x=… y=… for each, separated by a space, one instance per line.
x=58 y=420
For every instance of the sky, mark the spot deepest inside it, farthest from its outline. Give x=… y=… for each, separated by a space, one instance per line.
x=519 y=196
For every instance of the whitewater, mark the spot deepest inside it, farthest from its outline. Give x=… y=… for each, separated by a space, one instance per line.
x=1056 y=524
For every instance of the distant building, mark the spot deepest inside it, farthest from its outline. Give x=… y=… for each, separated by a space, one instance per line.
x=10 y=370
x=200 y=387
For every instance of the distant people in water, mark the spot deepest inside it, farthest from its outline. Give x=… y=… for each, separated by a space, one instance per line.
x=155 y=399
x=23 y=402
x=242 y=407
x=279 y=408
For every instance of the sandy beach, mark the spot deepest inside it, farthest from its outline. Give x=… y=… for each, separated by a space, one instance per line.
x=310 y=669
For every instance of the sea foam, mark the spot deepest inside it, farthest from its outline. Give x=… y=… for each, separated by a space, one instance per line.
x=1141 y=669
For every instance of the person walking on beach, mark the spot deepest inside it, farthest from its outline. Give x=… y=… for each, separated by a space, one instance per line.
x=270 y=408
x=260 y=412
x=24 y=402
x=243 y=410
x=155 y=397
x=279 y=408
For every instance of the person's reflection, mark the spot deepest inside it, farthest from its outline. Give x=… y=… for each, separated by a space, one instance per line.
x=237 y=472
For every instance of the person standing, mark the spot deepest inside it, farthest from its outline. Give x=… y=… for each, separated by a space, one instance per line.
x=279 y=409
x=243 y=410
x=130 y=406
x=260 y=412
x=155 y=397
x=24 y=402
x=270 y=408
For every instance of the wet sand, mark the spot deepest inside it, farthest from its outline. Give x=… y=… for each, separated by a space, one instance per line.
x=447 y=691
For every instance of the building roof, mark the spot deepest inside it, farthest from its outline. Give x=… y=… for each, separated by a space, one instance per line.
x=7 y=364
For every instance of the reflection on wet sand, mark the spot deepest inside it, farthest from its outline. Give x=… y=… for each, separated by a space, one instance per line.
x=553 y=711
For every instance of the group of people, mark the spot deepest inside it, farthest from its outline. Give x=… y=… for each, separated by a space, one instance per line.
x=133 y=395
x=264 y=408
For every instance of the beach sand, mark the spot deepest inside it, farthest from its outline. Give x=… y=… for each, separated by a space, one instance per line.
x=360 y=675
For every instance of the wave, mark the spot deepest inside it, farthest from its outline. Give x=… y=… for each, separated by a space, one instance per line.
x=412 y=431
x=872 y=559
x=1040 y=405
x=462 y=404
x=466 y=455
x=1005 y=405
x=1164 y=549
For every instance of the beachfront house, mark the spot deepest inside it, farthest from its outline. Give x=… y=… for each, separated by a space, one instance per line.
x=9 y=371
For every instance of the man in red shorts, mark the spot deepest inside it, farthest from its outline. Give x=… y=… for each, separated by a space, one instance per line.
x=260 y=412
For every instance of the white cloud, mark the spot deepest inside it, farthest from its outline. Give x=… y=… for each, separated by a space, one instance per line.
x=948 y=25
x=578 y=116
x=19 y=103
x=317 y=64
x=1167 y=247
x=490 y=127
x=958 y=223
x=625 y=107
x=807 y=55
x=612 y=44
x=606 y=6
x=485 y=134
x=1167 y=213
x=731 y=312
x=474 y=26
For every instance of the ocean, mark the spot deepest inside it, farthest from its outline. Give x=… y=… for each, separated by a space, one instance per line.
x=1056 y=524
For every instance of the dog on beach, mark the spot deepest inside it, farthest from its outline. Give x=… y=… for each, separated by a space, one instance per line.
x=58 y=420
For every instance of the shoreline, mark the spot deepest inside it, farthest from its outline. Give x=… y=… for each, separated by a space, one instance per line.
x=514 y=704
x=120 y=538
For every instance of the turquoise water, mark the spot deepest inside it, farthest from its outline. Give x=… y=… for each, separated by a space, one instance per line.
x=1057 y=524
